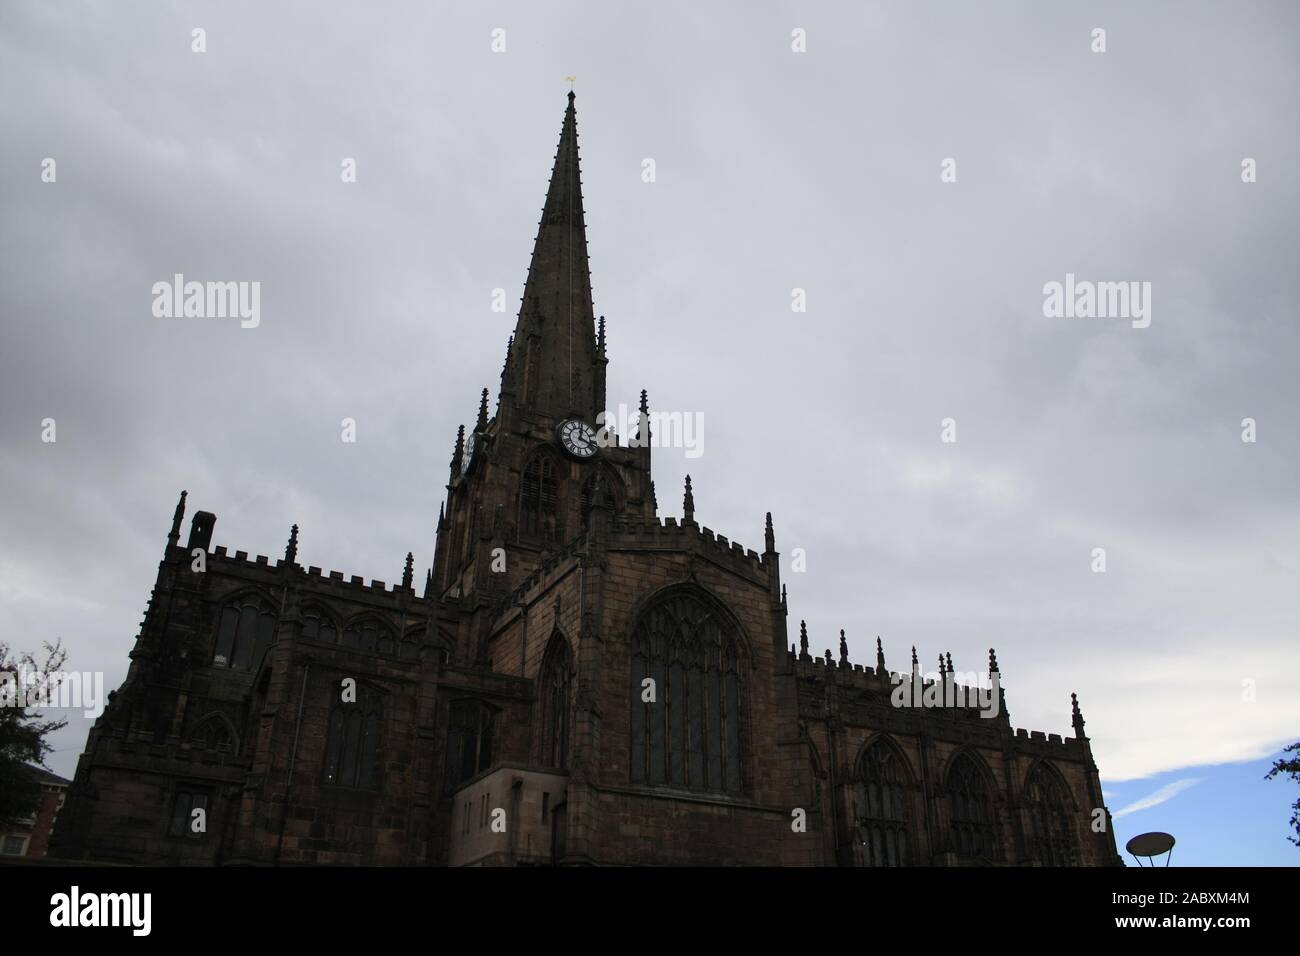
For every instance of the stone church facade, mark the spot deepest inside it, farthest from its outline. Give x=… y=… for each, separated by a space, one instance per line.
x=579 y=680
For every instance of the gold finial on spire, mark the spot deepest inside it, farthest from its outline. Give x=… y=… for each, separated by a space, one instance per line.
x=572 y=80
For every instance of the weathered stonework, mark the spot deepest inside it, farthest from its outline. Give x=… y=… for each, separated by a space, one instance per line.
x=498 y=716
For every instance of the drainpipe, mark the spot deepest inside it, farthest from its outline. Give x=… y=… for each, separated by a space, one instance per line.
x=293 y=761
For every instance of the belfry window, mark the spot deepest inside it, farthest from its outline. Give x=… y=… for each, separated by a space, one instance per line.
x=686 y=724
x=539 y=497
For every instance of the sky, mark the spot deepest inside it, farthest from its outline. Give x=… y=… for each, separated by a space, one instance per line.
x=774 y=171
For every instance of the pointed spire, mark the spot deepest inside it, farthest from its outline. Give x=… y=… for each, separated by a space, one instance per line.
x=482 y=412
x=174 y=536
x=950 y=662
x=1077 y=715
x=688 y=503
x=993 y=661
x=844 y=648
x=459 y=452
x=408 y=575
x=643 y=422
x=784 y=603
x=880 y=655
x=941 y=670
x=803 y=640
x=915 y=663
x=769 y=537
x=556 y=318
x=291 y=549
x=654 y=498
x=600 y=336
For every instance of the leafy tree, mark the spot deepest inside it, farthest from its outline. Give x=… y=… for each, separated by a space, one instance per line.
x=1290 y=767
x=23 y=729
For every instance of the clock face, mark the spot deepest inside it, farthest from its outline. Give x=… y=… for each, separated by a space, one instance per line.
x=577 y=438
x=467 y=458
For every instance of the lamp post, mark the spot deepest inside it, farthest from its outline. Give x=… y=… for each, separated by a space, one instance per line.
x=1151 y=845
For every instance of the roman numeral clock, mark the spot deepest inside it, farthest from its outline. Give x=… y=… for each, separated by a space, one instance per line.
x=577 y=438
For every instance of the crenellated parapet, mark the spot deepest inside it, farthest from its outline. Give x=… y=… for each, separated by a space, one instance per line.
x=668 y=534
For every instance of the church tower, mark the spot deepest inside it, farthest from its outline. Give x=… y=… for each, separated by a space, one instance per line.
x=523 y=480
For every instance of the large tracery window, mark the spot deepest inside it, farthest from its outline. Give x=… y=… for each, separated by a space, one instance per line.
x=556 y=697
x=689 y=735
x=880 y=807
x=971 y=810
x=245 y=631
x=539 y=497
x=352 y=744
x=1050 y=843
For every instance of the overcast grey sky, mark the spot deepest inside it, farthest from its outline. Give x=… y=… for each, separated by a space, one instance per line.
x=775 y=170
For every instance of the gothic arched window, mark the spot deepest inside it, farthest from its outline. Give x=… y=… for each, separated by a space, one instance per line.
x=213 y=732
x=370 y=636
x=971 y=810
x=244 y=633
x=556 y=698
x=409 y=649
x=469 y=740
x=880 y=809
x=352 y=743
x=318 y=626
x=539 y=497
x=1050 y=843
x=689 y=734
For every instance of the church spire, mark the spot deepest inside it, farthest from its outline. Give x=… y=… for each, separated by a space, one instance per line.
x=556 y=330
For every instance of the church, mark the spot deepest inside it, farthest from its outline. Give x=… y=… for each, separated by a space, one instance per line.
x=579 y=679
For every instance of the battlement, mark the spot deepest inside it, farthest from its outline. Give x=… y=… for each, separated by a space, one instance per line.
x=332 y=579
x=669 y=532
x=844 y=674
x=863 y=683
